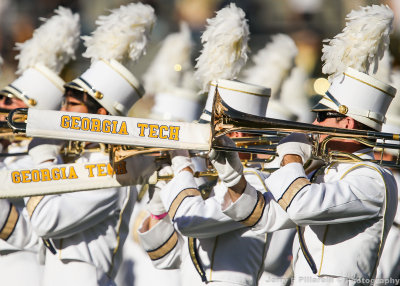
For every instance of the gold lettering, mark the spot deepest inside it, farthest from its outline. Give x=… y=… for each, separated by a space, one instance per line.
x=123 y=130
x=153 y=131
x=162 y=129
x=72 y=173
x=35 y=176
x=114 y=127
x=174 y=133
x=110 y=169
x=55 y=174
x=106 y=126
x=65 y=121
x=101 y=170
x=75 y=122
x=25 y=176
x=63 y=175
x=45 y=175
x=15 y=177
x=96 y=125
x=85 y=124
x=142 y=126
x=90 y=167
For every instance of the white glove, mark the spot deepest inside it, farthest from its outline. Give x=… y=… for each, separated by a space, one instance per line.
x=227 y=164
x=295 y=144
x=180 y=160
x=42 y=150
x=155 y=205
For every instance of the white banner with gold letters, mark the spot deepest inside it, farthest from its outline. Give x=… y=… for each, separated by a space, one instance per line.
x=71 y=178
x=117 y=130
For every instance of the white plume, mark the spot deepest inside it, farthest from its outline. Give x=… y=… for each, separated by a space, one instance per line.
x=171 y=63
x=394 y=107
x=273 y=63
x=224 y=46
x=385 y=68
x=294 y=95
x=362 y=42
x=122 y=33
x=53 y=44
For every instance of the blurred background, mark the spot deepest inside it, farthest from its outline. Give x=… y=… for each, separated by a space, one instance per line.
x=308 y=22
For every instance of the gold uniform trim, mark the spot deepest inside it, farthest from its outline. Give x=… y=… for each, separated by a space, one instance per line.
x=257 y=212
x=242 y=91
x=371 y=85
x=10 y=224
x=179 y=198
x=165 y=248
x=295 y=187
x=32 y=204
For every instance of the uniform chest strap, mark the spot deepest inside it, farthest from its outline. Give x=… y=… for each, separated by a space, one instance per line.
x=194 y=255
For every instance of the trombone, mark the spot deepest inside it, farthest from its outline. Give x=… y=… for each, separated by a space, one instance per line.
x=225 y=120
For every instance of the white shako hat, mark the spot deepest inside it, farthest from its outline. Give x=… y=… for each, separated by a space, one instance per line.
x=280 y=54
x=349 y=57
x=177 y=105
x=170 y=80
x=223 y=55
x=111 y=84
x=244 y=97
x=42 y=58
x=123 y=33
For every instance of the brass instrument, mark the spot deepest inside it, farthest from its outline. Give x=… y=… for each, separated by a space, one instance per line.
x=6 y=132
x=225 y=120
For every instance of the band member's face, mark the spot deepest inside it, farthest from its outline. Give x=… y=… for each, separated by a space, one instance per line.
x=73 y=104
x=243 y=156
x=10 y=103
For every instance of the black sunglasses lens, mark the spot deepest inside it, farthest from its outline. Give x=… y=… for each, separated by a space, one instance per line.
x=7 y=100
x=321 y=116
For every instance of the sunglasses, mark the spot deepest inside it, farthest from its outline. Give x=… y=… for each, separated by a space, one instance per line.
x=323 y=115
x=7 y=100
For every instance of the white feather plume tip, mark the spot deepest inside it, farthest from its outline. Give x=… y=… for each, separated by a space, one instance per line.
x=224 y=46
x=122 y=33
x=362 y=42
x=273 y=63
x=53 y=44
x=167 y=70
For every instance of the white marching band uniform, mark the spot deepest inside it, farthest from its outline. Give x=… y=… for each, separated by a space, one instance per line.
x=19 y=244
x=345 y=211
x=228 y=252
x=344 y=220
x=86 y=230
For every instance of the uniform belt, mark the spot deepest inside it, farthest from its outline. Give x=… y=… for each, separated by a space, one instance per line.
x=194 y=255
x=49 y=246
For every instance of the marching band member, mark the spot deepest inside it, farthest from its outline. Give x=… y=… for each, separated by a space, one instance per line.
x=40 y=87
x=170 y=84
x=389 y=264
x=215 y=242
x=344 y=210
x=280 y=53
x=85 y=231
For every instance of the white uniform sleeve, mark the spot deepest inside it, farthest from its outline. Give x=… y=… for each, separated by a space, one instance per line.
x=162 y=243
x=15 y=226
x=193 y=216
x=257 y=210
x=59 y=216
x=357 y=196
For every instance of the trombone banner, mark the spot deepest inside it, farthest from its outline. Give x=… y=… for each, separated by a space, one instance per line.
x=75 y=177
x=118 y=130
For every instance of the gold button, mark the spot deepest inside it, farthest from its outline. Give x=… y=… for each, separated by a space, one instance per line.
x=98 y=95
x=32 y=102
x=343 y=109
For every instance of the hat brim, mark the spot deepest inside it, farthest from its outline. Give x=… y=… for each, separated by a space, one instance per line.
x=321 y=107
